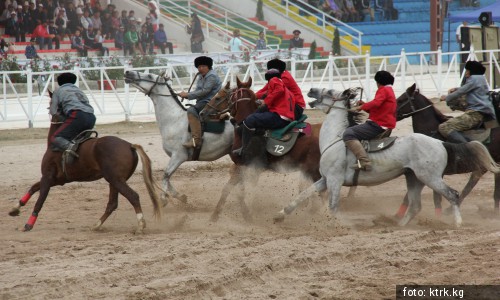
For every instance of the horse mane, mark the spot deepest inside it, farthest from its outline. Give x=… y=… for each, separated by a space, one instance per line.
x=439 y=115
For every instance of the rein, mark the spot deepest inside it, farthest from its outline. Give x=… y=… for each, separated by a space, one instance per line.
x=412 y=107
x=157 y=82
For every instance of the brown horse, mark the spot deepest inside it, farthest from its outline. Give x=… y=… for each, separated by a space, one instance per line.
x=240 y=102
x=107 y=157
x=426 y=119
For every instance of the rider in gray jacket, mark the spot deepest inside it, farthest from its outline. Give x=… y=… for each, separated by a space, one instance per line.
x=479 y=107
x=207 y=86
x=74 y=107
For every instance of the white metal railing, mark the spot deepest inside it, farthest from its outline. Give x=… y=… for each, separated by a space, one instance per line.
x=24 y=99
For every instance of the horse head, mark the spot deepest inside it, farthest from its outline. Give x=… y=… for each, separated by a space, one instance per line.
x=406 y=103
x=326 y=99
x=149 y=84
x=218 y=105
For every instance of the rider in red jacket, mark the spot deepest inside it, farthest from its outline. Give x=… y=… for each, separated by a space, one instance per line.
x=279 y=113
x=381 y=111
x=289 y=82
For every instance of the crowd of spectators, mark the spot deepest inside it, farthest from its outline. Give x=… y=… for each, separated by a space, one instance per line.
x=350 y=10
x=83 y=22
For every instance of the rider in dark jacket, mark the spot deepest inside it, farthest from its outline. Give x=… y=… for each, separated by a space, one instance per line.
x=73 y=105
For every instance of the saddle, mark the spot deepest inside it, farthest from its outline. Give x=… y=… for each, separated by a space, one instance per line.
x=215 y=126
x=83 y=136
x=380 y=142
x=280 y=141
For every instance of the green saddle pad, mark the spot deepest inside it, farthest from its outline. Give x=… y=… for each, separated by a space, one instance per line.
x=214 y=127
x=278 y=133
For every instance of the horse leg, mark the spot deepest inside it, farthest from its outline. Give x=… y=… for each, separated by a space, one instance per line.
x=350 y=194
x=496 y=195
x=45 y=184
x=16 y=210
x=473 y=180
x=110 y=208
x=234 y=179
x=414 y=187
x=404 y=206
x=318 y=186
x=438 y=185
x=334 y=184
x=172 y=166
x=132 y=197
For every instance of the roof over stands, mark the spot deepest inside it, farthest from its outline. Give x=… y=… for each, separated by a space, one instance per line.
x=473 y=16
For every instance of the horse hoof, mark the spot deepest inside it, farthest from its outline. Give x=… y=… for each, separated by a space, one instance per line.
x=14 y=212
x=279 y=218
x=183 y=198
x=26 y=228
x=214 y=218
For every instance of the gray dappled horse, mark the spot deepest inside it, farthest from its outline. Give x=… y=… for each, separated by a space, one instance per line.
x=420 y=158
x=173 y=124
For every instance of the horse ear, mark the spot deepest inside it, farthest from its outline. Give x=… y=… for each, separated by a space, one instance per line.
x=249 y=82
x=238 y=82
x=228 y=84
x=412 y=88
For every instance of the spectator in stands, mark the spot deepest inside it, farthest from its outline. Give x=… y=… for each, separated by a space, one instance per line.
x=88 y=37
x=111 y=8
x=154 y=12
x=42 y=13
x=196 y=32
x=131 y=15
x=32 y=17
x=26 y=16
x=77 y=43
x=367 y=9
x=6 y=14
x=161 y=41
x=11 y=26
x=98 y=43
x=296 y=41
x=146 y=41
x=458 y=33
x=3 y=50
x=86 y=20
x=106 y=25
x=73 y=18
x=235 y=44
x=96 y=20
x=115 y=24
x=61 y=23
x=124 y=19
x=261 y=44
x=88 y=7
x=150 y=28
x=130 y=40
x=353 y=12
x=42 y=36
x=119 y=36
x=389 y=11
x=332 y=9
x=30 y=50
x=52 y=30
x=50 y=8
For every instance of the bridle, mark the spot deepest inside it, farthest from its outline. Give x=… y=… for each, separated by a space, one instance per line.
x=344 y=98
x=232 y=107
x=157 y=82
x=410 y=102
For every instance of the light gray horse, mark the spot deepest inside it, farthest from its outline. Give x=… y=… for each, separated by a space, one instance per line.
x=173 y=124
x=420 y=158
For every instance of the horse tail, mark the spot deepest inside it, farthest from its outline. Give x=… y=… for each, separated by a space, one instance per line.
x=147 y=175
x=470 y=157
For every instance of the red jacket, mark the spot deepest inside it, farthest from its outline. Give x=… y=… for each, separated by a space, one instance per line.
x=291 y=84
x=40 y=31
x=279 y=99
x=382 y=109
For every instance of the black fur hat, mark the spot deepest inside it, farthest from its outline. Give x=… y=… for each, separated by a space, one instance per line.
x=384 y=78
x=475 y=67
x=276 y=64
x=272 y=73
x=66 y=78
x=203 y=60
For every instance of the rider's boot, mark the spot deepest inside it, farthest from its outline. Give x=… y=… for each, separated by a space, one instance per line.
x=246 y=136
x=69 y=148
x=457 y=137
x=363 y=162
x=195 y=125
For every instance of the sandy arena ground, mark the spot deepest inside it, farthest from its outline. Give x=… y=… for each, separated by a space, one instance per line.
x=185 y=256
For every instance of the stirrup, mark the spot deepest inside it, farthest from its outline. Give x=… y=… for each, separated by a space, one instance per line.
x=359 y=166
x=238 y=151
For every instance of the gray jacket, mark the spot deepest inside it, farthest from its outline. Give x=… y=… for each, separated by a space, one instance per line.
x=206 y=87
x=69 y=97
x=476 y=91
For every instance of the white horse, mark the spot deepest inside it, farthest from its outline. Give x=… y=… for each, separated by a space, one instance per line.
x=420 y=158
x=173 y=124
